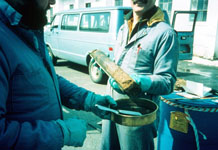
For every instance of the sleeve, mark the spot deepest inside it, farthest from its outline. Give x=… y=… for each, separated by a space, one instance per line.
x=72 y=96
x=165 y=64
x=36 y=134
x=118 y=44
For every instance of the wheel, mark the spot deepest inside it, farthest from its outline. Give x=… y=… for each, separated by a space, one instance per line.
x=53 y=58
x=96 y=74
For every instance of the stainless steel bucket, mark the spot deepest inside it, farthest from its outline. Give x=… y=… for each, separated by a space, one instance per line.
x=146 y=107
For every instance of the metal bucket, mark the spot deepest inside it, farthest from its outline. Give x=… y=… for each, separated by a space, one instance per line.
x=146 y=107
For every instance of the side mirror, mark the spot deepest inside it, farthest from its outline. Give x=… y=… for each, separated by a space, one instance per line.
x=53 y=27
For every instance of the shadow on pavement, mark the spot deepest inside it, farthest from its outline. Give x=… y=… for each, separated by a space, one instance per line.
x=74 y=66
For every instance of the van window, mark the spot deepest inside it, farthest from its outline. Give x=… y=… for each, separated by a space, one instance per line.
x=55 y=21
x=70 y=22
x=98 y=22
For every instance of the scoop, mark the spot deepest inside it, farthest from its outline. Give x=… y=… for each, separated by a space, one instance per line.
x=119 y=111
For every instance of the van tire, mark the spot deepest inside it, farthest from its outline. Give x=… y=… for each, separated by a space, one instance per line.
x=53 y=58
x=96 y=74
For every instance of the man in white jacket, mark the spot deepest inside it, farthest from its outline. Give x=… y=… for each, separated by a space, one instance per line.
x=146 y=49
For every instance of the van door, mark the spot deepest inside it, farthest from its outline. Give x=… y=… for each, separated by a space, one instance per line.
x=52 y=35
x=184 y=23
x=68 y=36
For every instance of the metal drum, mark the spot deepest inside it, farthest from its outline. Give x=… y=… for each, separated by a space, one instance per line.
x=146 y=107
x=189 y=124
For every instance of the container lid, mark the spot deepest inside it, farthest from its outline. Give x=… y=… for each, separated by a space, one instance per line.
x=146 y=107
x=181 y=98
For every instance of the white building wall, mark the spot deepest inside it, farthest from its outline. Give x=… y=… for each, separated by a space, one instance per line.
x=126 y=3
x=216 y=44
x=180 y=5
x=205 y=38
x=64 y=5
x=99 y=4
x=205 y=35
x=212 y=30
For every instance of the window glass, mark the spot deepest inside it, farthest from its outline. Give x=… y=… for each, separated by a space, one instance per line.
x=204 y=15
x=55 y=21
x=166 y=5
x=118 y=2
x=170 y=6
x=184 y=22
x=71 y=6
x=194 y=4
x=98 y=22
x=205 y=5
x=201 y=6
x=88 y=5
x=70 y=22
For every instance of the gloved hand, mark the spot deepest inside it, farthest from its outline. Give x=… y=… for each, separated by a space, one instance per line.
x=143 y=81
x=92 y=99
x=94 y=63
x=115 y=86
x=74 y=131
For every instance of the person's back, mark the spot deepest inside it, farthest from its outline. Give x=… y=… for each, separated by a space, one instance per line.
x=31 y=93
x=29 y=78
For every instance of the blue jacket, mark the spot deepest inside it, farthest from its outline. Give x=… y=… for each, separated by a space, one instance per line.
x=31 y=94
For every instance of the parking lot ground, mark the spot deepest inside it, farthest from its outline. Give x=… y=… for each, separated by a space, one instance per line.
x=199 y=70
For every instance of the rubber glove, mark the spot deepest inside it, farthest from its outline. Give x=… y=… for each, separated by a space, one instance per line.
x=92 y=99
x=115 y=86
x=143 y=81
x=74 y=131
x=94 y=62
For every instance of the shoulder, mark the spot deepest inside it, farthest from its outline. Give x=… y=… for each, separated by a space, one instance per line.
x=123 y=29
x=164 y=28
x=124 y=26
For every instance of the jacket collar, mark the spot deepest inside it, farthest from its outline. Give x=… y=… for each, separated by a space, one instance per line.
x=157 y=17
x=152 y=16
x=141 y=33
x=8 y=14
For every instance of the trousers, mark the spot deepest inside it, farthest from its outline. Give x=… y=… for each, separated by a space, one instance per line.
x=119 y=137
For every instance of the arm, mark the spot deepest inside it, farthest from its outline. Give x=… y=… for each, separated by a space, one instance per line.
x=72 y=96
x=36 y=134
x=81 y=99
x=165 y=64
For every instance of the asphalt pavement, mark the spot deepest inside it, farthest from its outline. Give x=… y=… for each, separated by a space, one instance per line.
x=197 y=69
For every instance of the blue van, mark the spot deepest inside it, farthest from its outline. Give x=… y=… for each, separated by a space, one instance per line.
x=73 y=34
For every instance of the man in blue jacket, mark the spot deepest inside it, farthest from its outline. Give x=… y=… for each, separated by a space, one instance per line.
x=31 y=94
